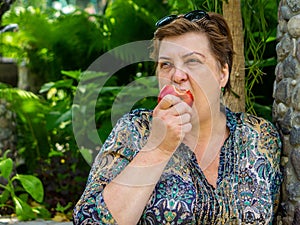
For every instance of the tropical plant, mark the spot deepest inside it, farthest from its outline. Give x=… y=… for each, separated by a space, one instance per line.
x=31 y=112
x=50 y=44
x=57 y=159
x=260 y=25
x=18 y=188
x=46 y=146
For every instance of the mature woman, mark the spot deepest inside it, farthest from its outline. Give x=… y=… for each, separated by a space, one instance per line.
x=182 y=164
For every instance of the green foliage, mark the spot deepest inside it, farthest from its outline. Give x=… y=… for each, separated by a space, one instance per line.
x=63 y=209
x=49 y=119
x=179 y=6
x=260 y=23
x=51 y=44
x=127 y=19
x=17 y=188
x=30 y=110
x=46 y=142
x=102 y=98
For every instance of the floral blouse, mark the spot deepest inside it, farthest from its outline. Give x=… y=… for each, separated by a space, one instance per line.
x=248 y=182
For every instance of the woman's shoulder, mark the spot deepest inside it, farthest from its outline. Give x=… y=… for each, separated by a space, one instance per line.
x=260 y=124
x=268 y=137
x=137 y=121
x=253 y=122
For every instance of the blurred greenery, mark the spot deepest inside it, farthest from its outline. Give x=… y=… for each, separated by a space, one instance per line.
x=58 y=47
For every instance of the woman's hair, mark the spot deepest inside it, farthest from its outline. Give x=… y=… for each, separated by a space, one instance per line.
x=214 y=27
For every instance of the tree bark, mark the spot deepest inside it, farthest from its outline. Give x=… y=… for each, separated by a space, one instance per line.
x=4 y=6
x=235 y=100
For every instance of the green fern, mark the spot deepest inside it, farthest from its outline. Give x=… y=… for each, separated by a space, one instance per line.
x=30 y=111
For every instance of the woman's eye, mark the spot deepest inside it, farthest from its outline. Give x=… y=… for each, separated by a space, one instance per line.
x=193 y=61
x=165 y=65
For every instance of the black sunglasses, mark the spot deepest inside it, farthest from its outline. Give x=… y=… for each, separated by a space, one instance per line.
x=191 y=16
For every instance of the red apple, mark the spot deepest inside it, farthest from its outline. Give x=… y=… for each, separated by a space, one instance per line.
x=185 y=95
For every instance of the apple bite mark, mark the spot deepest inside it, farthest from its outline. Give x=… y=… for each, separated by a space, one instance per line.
x=185 y=95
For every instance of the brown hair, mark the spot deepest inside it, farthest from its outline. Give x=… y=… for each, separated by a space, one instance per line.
x=214 y=27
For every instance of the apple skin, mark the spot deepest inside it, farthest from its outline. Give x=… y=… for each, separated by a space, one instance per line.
x=185 y=95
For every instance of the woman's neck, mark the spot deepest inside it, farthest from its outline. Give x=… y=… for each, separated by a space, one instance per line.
x=207 y=137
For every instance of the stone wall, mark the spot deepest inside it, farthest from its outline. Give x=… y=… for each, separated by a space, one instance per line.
x=7 y=129
x=286 y=110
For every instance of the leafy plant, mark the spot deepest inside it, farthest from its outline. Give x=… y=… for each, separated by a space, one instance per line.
x=48 y=120
x=63 y=213
x=30 y=110
x=179 y=6
x=49 y=44
x=19 y=187
x=260 y=23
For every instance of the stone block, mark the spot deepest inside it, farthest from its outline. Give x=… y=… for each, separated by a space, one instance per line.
x=296 y=220
x=294 y=26
x=295 y=136
x=296 y=98
x=279 y=33
x=293 y=190
x=295 y=158
x=279 y=71
x=282 y=25
x=293 y=5
x=296 y=120
x=291 y=67
x=285 y=12
x=284 y=47
x=285 y=123
x=287 y=147
x=283 y=91
x=282 y=109
x=298 y=50
x=288 y=209
x=274 y=112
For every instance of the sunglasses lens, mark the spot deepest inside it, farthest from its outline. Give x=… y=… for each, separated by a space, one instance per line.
x=165 y=20
x=195 y=15
x=191 y=16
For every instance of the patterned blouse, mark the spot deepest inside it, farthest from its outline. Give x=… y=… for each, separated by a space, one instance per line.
x=248 y=182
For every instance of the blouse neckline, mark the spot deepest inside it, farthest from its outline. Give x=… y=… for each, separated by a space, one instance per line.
x=231 y=123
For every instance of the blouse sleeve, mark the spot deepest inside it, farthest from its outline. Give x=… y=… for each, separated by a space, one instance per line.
x=271 y=145
x=123 y=143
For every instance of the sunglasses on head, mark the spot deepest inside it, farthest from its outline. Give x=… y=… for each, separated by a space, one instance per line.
x=191 y=16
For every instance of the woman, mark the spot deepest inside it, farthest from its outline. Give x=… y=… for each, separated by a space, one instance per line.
x=186 y=165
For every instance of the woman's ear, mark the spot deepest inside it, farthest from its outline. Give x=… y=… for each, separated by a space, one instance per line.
x=224 y=75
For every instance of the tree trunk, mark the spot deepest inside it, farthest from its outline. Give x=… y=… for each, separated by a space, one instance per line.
x=235 y=100
x=4 y=6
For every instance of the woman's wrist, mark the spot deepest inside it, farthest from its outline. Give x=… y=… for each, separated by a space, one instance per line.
x=151 y=155
x=145 y=169
x=138 y=176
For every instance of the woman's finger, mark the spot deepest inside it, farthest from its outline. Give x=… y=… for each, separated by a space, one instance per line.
x=185 y=118
x=181 y=108
x=186 y=128
x=169 y=101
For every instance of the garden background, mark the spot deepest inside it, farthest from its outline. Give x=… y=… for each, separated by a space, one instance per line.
x=42 y=169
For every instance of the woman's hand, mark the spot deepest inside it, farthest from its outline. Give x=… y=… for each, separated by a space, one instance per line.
x=171 y=121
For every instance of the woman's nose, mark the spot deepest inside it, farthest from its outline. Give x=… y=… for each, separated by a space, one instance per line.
x=179 y=76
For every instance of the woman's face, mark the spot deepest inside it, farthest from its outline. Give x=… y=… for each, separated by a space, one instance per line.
x=187 y=62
